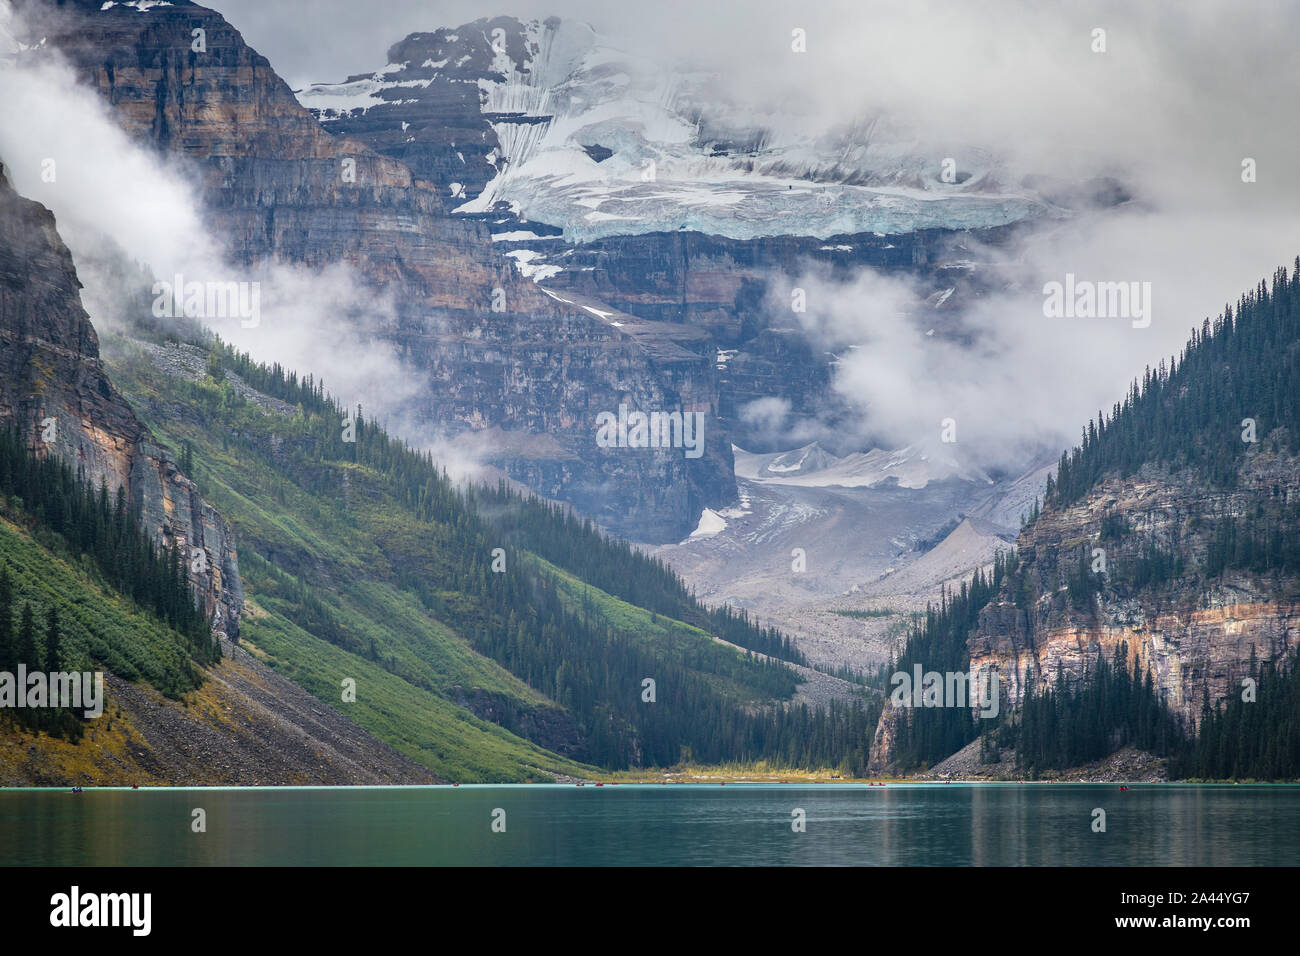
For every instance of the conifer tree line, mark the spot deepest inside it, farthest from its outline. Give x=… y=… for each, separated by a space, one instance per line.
x=1237 y=379
x=613 y=565
x=1257 y=543
x=1113 y=705
x=551 y=531
x=926 y=735
x=595 y=672
x=18 y=645
x=526 y=621
x=1079 y=721
x=1255 y=734
x=1191 y=411
x=1251 y=736
x=66 y=510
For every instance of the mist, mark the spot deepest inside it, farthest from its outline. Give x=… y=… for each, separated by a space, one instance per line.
x=1180 y=97
x=117 y=204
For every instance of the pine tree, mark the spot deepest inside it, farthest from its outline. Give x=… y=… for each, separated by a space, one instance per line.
x=53 y=653
x=8 y=650
x=26 y=643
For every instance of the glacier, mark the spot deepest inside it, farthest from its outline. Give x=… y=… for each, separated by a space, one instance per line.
x=675 y=153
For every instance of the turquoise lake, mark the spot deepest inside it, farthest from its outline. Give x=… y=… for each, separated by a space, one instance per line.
x=650 y=825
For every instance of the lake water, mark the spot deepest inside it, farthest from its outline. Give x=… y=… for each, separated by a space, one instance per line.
x=648 y=825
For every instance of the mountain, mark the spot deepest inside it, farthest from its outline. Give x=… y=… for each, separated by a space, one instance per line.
x=547 y=232
x=527 y=372
x=549 y=121
x=1165 y=546
x=545 y=132
x=54 y=388
x=58 y=402
x=362 y=558
x=478 y=633
x=522 y=307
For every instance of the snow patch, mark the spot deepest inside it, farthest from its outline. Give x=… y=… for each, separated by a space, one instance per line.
x=524 y=263
x=142 y=6
x=520 y=235
x=711 y=523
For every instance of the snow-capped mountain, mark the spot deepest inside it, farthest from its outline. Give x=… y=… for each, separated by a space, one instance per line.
x=545 y=119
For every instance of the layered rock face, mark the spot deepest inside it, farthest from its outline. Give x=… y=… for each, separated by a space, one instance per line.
x=1196 y=634
x=740 y=293
x=541 y=131
x=495 y=352
x=54 y=388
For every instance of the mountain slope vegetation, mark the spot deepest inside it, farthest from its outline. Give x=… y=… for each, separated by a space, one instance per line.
x=1178 y=514
x=359 y=553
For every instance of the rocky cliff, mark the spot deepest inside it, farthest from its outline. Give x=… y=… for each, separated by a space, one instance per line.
x=495 y=353
x=1197 y=633
x=738 y=291
x=1168 y=535
x=54 y=388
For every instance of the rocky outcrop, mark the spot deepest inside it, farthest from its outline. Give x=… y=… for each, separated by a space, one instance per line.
x=1197 y=634
x=53 y=386
x=432 y=118
x=494 y=352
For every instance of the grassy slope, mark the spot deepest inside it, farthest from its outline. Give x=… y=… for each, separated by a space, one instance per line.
x=97 y=625
x=726 y=666
x=425 y=726
x=332 y=529
x=288 y=535
x=99 y=629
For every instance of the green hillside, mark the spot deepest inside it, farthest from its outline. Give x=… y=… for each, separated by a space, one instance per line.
x=119 y=603
x=362 y=559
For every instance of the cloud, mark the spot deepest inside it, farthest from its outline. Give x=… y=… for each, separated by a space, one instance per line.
x=1178 y=100
x=1014 y=380
x=768 y=414
x=1020 y=78
x=118 y=202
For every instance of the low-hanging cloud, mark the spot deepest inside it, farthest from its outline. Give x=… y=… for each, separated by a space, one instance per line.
x=116 y=201
x=1179 y=98
x=1015 y=380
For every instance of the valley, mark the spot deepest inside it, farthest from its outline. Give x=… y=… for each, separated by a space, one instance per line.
x=526 y=410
